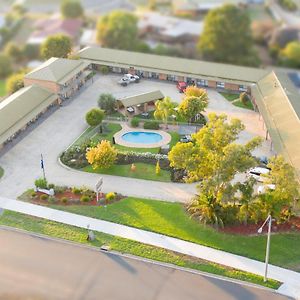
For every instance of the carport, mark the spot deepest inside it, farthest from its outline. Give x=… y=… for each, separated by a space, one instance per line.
x=139 y=103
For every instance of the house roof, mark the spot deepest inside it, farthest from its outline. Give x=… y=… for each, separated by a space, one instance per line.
x=53 y=26
x=278 y=102
x=58 y=70
x=141 y=98
x=172 y=65
x=170 y=26
x=21 y=107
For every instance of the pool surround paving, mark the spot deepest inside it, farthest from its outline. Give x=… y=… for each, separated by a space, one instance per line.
x=166 y=137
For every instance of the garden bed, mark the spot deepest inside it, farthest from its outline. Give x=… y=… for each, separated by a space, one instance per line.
x=251 y=229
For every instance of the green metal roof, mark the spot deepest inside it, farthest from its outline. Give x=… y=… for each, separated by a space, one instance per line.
x=21 y=107
x=141 y=98
x=276 y=98
x=58 y=70
x=172 y=65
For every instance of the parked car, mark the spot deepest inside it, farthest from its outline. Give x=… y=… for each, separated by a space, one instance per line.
x=128 y=78
x=132 y=78
x=145 y=115
x=263 y=188
x=181 y=86
x=130 y=109
x=186 y=139
x=257 y=172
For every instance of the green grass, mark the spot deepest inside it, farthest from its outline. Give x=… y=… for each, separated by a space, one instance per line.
x=2 y=88
x=143 y=171
x=258 y=13
x=78 y=235
x=1 y=172
x=171 y=219
x=234 y=99
x=111 y=128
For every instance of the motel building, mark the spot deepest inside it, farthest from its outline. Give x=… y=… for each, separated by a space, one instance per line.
x=273 y=95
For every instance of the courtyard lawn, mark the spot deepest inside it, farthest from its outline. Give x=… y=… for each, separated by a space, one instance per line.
x=235 y=100
x=171 y=219
x=78 y=235
x=1 y=172
x=143 y=171
x=2 y=88
x=110 y=130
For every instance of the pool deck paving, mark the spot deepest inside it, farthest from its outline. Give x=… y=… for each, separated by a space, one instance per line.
x=290 y=279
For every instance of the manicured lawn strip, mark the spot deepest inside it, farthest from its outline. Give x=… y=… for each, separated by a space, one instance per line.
x=234 y=99
x=2 y=88
x=143 y=171
x=175 y=138
x=1 y=172
x=75 y=234
x=172 y=220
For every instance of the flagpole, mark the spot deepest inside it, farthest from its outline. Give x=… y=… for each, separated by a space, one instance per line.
x=43 y=167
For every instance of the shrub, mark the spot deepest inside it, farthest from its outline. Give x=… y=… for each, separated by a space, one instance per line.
x=51 y=199
x=85 y=199
x=60 y=189
x=157 y=168
x=41 y=183
x=151 y=125
x=288 y=5
x=64 y=200
x=44 y=197
x=244 y=98
x=51 y=186
x=33 y=194
x=110 y=196
x=104 y=69
x=76 y=190
x=135 y=122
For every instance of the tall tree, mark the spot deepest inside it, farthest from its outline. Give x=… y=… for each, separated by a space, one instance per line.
x=14 y=82
x=194 y=102
x=290 y=55
x=12 y=50
x=164 y=109
x=94 y=117
x=214 y=153
x=102 y=156
x=5 y=65
x=107 y=102
x=117 y=30
x=227 y=36
x=282 y=175
x=56 y=46
x=71 y=9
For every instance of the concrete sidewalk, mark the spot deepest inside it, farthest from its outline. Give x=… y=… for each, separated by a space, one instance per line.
x=290 y=279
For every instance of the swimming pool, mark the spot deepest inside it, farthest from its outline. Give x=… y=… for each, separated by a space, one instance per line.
x=140 y=137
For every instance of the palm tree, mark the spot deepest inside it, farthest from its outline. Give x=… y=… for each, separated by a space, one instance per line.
x=164 y=109
x=207 y=209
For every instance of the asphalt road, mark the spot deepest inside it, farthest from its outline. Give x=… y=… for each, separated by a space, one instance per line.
x=37 y=268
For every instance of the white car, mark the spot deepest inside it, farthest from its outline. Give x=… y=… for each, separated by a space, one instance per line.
x=263 y=188
x=129 y=78
x=257 y=172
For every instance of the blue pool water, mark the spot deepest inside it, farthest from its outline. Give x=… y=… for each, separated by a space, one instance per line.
x=142 y=137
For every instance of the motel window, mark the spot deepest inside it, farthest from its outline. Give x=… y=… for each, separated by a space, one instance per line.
x=220 y=85
x=171 y=77
x=243 y=88
x=202 y=82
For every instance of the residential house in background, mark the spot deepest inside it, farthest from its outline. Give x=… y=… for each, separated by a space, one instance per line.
x=55 y=25
x=61 y=76
x=156 y=28
x=194 y=8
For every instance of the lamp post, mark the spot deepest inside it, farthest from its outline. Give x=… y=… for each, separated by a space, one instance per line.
x=268 y=219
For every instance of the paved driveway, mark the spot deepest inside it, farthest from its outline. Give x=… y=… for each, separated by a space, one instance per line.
x=60 y=129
